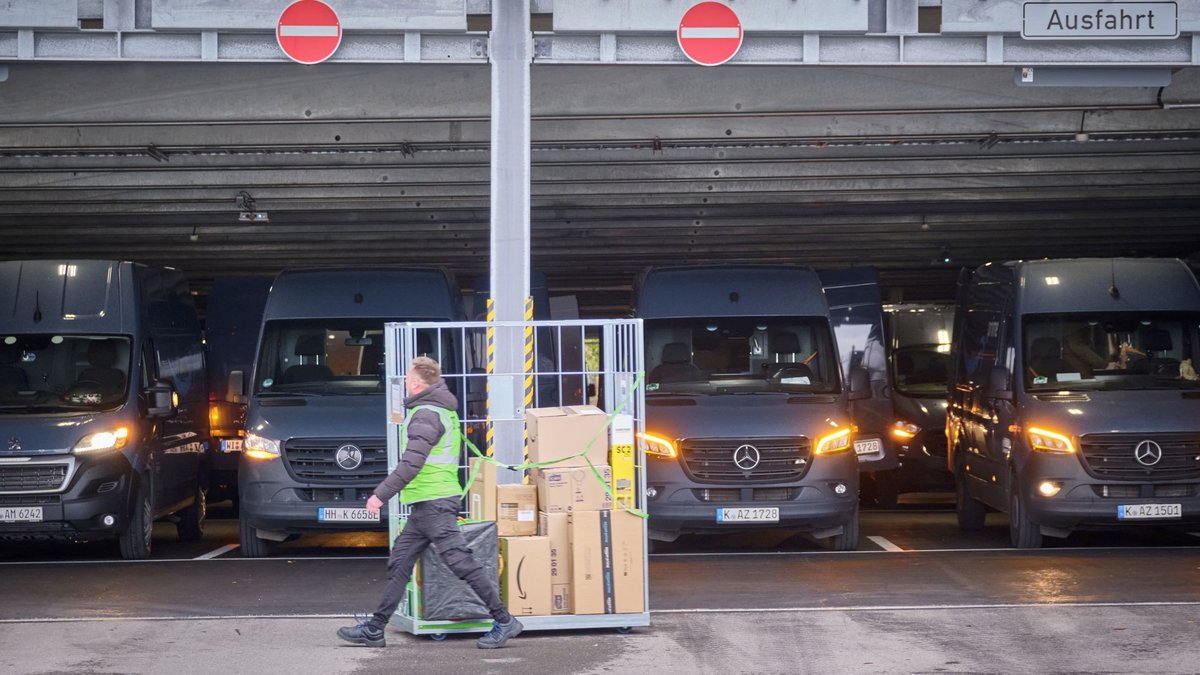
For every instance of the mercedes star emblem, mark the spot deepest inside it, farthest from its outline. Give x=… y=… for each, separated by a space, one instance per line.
x=746 y=457
x=14 y=444
x=1147 y=453
x=349 y=457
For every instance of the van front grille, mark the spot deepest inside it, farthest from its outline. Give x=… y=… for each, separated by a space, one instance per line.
x=779 y=458
x=316 y=460
x=30 y=477
x=1115 y=455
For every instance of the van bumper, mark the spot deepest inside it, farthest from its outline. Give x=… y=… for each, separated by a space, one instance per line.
x=682 y=506
x=1081 y=503
x=270 y=499
x=100 y=486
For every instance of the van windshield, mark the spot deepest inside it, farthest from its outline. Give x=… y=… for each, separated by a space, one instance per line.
x=741 y=355
x=1118 y=350
x=41 y=373
x=326 y=356
x=921 y=370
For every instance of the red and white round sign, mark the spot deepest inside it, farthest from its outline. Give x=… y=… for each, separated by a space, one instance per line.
x=308 y=31
x=710 y=33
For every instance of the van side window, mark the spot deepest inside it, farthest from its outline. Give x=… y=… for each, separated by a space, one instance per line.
x=981 y=337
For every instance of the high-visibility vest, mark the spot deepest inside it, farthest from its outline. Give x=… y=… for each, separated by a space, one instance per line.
x=439 y=477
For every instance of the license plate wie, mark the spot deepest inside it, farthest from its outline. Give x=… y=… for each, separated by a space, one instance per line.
x=1149 y=511
x=748 y=515
x=869 y=446
x=345 y=515
x=231 y=445
x=20 y=514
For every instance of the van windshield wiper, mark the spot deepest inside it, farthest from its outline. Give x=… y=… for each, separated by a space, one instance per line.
x=287 y=393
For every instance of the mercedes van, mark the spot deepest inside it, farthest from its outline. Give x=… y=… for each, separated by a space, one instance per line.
x=315 y=444
x=1074 y=400
x=746 y=408
x=103 y=403
x=919 y=359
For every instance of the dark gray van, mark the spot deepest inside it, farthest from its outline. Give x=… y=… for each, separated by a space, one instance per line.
x=1074 y=399
x=919 y=358
x=746 y=419
x=103 y=402
x=315 y=444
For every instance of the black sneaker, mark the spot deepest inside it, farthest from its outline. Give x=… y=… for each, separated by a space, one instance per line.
x=362 y=634
x=500 y=634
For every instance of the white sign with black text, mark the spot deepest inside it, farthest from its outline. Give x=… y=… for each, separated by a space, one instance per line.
x=1100 y=20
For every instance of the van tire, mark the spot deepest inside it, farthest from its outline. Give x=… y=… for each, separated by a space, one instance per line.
x=848 y=539
x=1023 y=532
x=137 y=538
x=191 y=519
x=251 y=544
x=971 y=513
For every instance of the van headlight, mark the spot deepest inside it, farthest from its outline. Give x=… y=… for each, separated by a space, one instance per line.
x=102 y=440
x=260 y=447
x=904 y=430
x=838 y=441
x=1043 y=440
x=657 y=446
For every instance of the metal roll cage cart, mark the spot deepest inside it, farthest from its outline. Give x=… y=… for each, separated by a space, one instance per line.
x=561 y=377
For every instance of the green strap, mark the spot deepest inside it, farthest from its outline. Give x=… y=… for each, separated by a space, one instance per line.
x=535 y=465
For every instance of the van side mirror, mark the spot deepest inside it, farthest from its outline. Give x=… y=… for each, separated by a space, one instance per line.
x=161 y=400
x=235 y=390
x=860 y=383
x=477 y=386
x=998 y=383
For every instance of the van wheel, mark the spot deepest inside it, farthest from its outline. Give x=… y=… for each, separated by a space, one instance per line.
x=135 y=541
x=1023 y=532
x=848 y=539
x=971 y=513
x=191 y=520
x=252 y=546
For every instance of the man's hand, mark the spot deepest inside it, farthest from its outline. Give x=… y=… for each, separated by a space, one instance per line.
x=373 y=505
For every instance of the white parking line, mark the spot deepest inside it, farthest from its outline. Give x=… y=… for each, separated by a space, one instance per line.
x=1053 y=551
x=179 y=560
x=885 y=544
x=718 y=610
x=212 y=554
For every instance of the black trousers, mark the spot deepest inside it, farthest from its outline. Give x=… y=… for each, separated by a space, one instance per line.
x=435 y=522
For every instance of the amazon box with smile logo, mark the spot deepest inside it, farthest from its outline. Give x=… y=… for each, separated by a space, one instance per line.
x=525 y=575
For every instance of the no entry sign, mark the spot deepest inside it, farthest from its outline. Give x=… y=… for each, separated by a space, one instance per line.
x=710 y=33
x=308 y=31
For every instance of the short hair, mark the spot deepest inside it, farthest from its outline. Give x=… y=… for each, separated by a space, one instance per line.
x=426 y=369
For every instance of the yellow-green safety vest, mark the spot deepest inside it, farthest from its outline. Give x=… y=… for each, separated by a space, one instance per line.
x=439 y=477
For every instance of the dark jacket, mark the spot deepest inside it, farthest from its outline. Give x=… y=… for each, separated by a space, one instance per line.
x=424 y=430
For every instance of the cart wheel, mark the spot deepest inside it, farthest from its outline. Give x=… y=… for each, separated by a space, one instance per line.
x=625 y=630
x=437 y=637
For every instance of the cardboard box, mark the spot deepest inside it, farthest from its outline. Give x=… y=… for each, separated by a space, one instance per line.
x=607 y=562
x=621 y=459
x=481 y=497
x=573 y=489
x=516 y=510
x=525 y=575
x=556 y=528
x=558 y=433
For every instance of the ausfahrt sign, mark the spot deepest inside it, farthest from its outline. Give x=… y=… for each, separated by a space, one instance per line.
x=1099 y=20
x=308 y=31
x=710 y=33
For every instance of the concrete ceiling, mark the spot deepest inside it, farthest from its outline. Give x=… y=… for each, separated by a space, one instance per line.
x=899 y=167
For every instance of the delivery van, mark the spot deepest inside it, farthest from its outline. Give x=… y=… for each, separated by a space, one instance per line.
x=315 y=444
x=103 y=403
x=919 y=359
x=856 y=311
x=746 y=407
x=231 y=322
x=1074 y=399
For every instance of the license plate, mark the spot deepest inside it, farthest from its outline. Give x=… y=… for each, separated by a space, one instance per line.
x=1149 y=511
x=870 y=446
x=748 y=515
x=231 y=445
x=20 y=514
x=344 y=515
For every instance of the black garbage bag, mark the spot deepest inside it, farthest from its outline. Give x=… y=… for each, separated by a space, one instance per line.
x=445 y=597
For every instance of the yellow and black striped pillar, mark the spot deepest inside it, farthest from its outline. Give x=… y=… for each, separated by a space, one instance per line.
x=489 y=428
x=529 y=363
